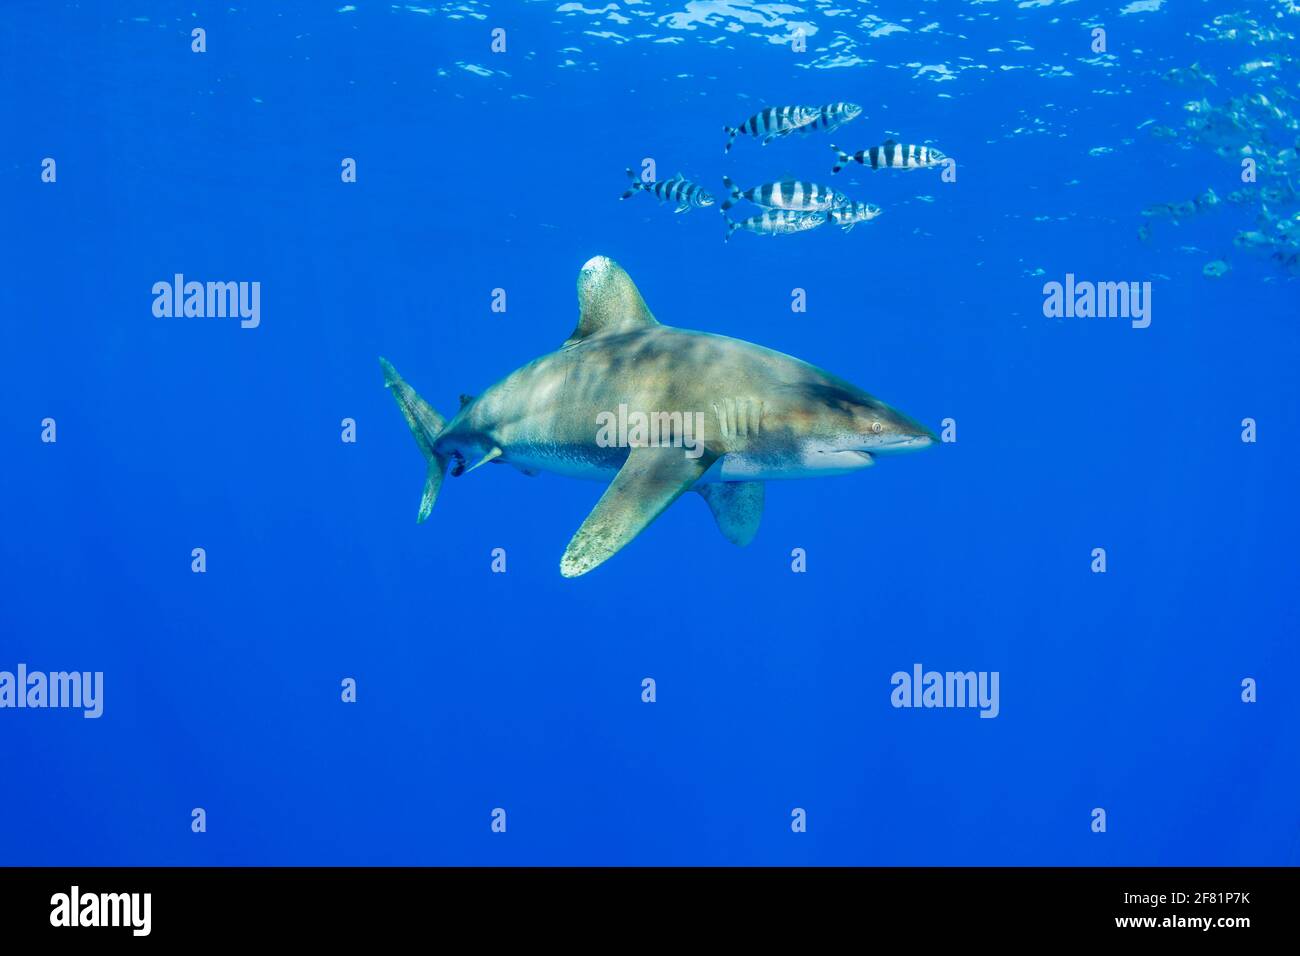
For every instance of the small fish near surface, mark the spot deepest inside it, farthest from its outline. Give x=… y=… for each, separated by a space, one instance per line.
x=776 y=222
x=1288 y=258
x=848 y=215
x=680 y=190
x=890 y=155
x=1175 y=212
x=831 y=117
x=1186 y=76
x=786 y=194
x=777 y=121
x=1254 y=240
x=770 y=123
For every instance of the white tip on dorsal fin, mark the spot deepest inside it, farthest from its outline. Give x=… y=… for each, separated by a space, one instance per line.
x=608 y=301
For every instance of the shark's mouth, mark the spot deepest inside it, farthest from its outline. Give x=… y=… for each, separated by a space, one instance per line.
x=457 y=464
x=903 y=443
x=843 y=458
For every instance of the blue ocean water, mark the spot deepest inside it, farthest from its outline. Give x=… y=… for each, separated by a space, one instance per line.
x=479 y=170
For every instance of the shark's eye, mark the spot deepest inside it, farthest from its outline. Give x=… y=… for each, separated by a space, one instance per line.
x=877 y=427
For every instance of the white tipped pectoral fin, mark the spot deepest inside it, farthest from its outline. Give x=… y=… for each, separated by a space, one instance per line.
x=650 y=480
x=737 y=507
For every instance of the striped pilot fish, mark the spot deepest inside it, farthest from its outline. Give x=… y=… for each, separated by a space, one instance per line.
x=849 y=214
x=776 y=222
x=831 y=117
x=891 y=155
x=786 y=194
x=776 y=121
x=678 y=189
x=770 y=123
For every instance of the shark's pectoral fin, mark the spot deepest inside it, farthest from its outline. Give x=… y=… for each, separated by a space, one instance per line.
x=650 y=480
x=737 y=506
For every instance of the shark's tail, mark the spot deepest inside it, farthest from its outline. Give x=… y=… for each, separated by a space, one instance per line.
x=425 y=425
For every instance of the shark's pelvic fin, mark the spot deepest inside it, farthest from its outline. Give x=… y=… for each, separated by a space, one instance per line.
x=608 y=301
x=493 y=454
x=650 y=480
x=737 y=506
x=425 y=425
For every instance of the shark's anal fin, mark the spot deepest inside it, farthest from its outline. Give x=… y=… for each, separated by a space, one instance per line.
x=608 y=301
x=737 y=506
x=650 y=480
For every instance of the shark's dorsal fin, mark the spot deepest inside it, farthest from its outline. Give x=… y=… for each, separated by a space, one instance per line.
x=608 y=301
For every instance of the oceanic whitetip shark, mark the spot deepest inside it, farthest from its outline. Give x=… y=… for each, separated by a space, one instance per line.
x=695 y=411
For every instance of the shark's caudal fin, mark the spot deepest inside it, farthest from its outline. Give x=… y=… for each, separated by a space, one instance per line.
x=425 y=425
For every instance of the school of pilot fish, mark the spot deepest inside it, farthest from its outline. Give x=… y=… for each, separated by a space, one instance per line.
x=1250 y=124
x=791 y=205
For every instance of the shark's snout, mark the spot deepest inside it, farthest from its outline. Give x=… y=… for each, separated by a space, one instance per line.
x=898 y=433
